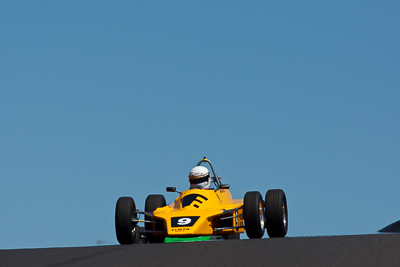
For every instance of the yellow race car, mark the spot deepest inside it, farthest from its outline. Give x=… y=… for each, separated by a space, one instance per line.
x=198 y=213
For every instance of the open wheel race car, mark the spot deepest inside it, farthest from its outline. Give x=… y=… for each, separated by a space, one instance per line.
x=197 y=212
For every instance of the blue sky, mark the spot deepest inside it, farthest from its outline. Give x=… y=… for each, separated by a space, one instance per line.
x=102 y=99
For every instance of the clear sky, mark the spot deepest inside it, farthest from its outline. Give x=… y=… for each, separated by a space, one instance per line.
x=102 y=99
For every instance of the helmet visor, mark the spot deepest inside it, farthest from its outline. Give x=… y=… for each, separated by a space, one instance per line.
x=199 y=180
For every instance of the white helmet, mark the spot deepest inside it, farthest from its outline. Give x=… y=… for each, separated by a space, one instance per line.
x=199 y=178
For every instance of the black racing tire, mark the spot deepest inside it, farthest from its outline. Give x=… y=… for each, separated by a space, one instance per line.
x=152 y=203
x=253 y=214
x=276 y=213
x=125 y=229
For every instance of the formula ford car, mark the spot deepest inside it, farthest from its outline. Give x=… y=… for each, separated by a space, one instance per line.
x=199 y=213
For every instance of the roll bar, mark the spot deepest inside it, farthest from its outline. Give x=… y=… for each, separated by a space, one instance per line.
x=215 y=178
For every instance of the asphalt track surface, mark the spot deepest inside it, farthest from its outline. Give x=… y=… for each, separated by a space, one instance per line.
x=362 y=250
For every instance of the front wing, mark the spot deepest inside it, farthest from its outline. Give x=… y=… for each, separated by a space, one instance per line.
x=222 y=221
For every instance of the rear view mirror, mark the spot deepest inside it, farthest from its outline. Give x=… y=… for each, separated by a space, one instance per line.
x=224 y=186
x=173 y=189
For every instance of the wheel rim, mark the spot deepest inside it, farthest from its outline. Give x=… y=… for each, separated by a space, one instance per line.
x=284 y=216
x=262 y=219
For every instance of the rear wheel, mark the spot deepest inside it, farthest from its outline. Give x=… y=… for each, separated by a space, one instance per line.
x=152 y=203
x=253 y=214
x=276 y=213
x=125 y=229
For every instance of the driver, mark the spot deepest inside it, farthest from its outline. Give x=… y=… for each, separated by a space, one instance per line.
x=199 y=178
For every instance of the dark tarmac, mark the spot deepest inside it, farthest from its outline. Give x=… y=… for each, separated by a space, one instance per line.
x=361 y=250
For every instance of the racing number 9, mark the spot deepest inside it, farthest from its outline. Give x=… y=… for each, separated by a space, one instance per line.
x=184 y=221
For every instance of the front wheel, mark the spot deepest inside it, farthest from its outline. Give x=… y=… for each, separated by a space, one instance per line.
x=253 y=214
x=125 y=229
x=276 y=213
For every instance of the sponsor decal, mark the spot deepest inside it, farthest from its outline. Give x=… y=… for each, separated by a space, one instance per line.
x=180 y=230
